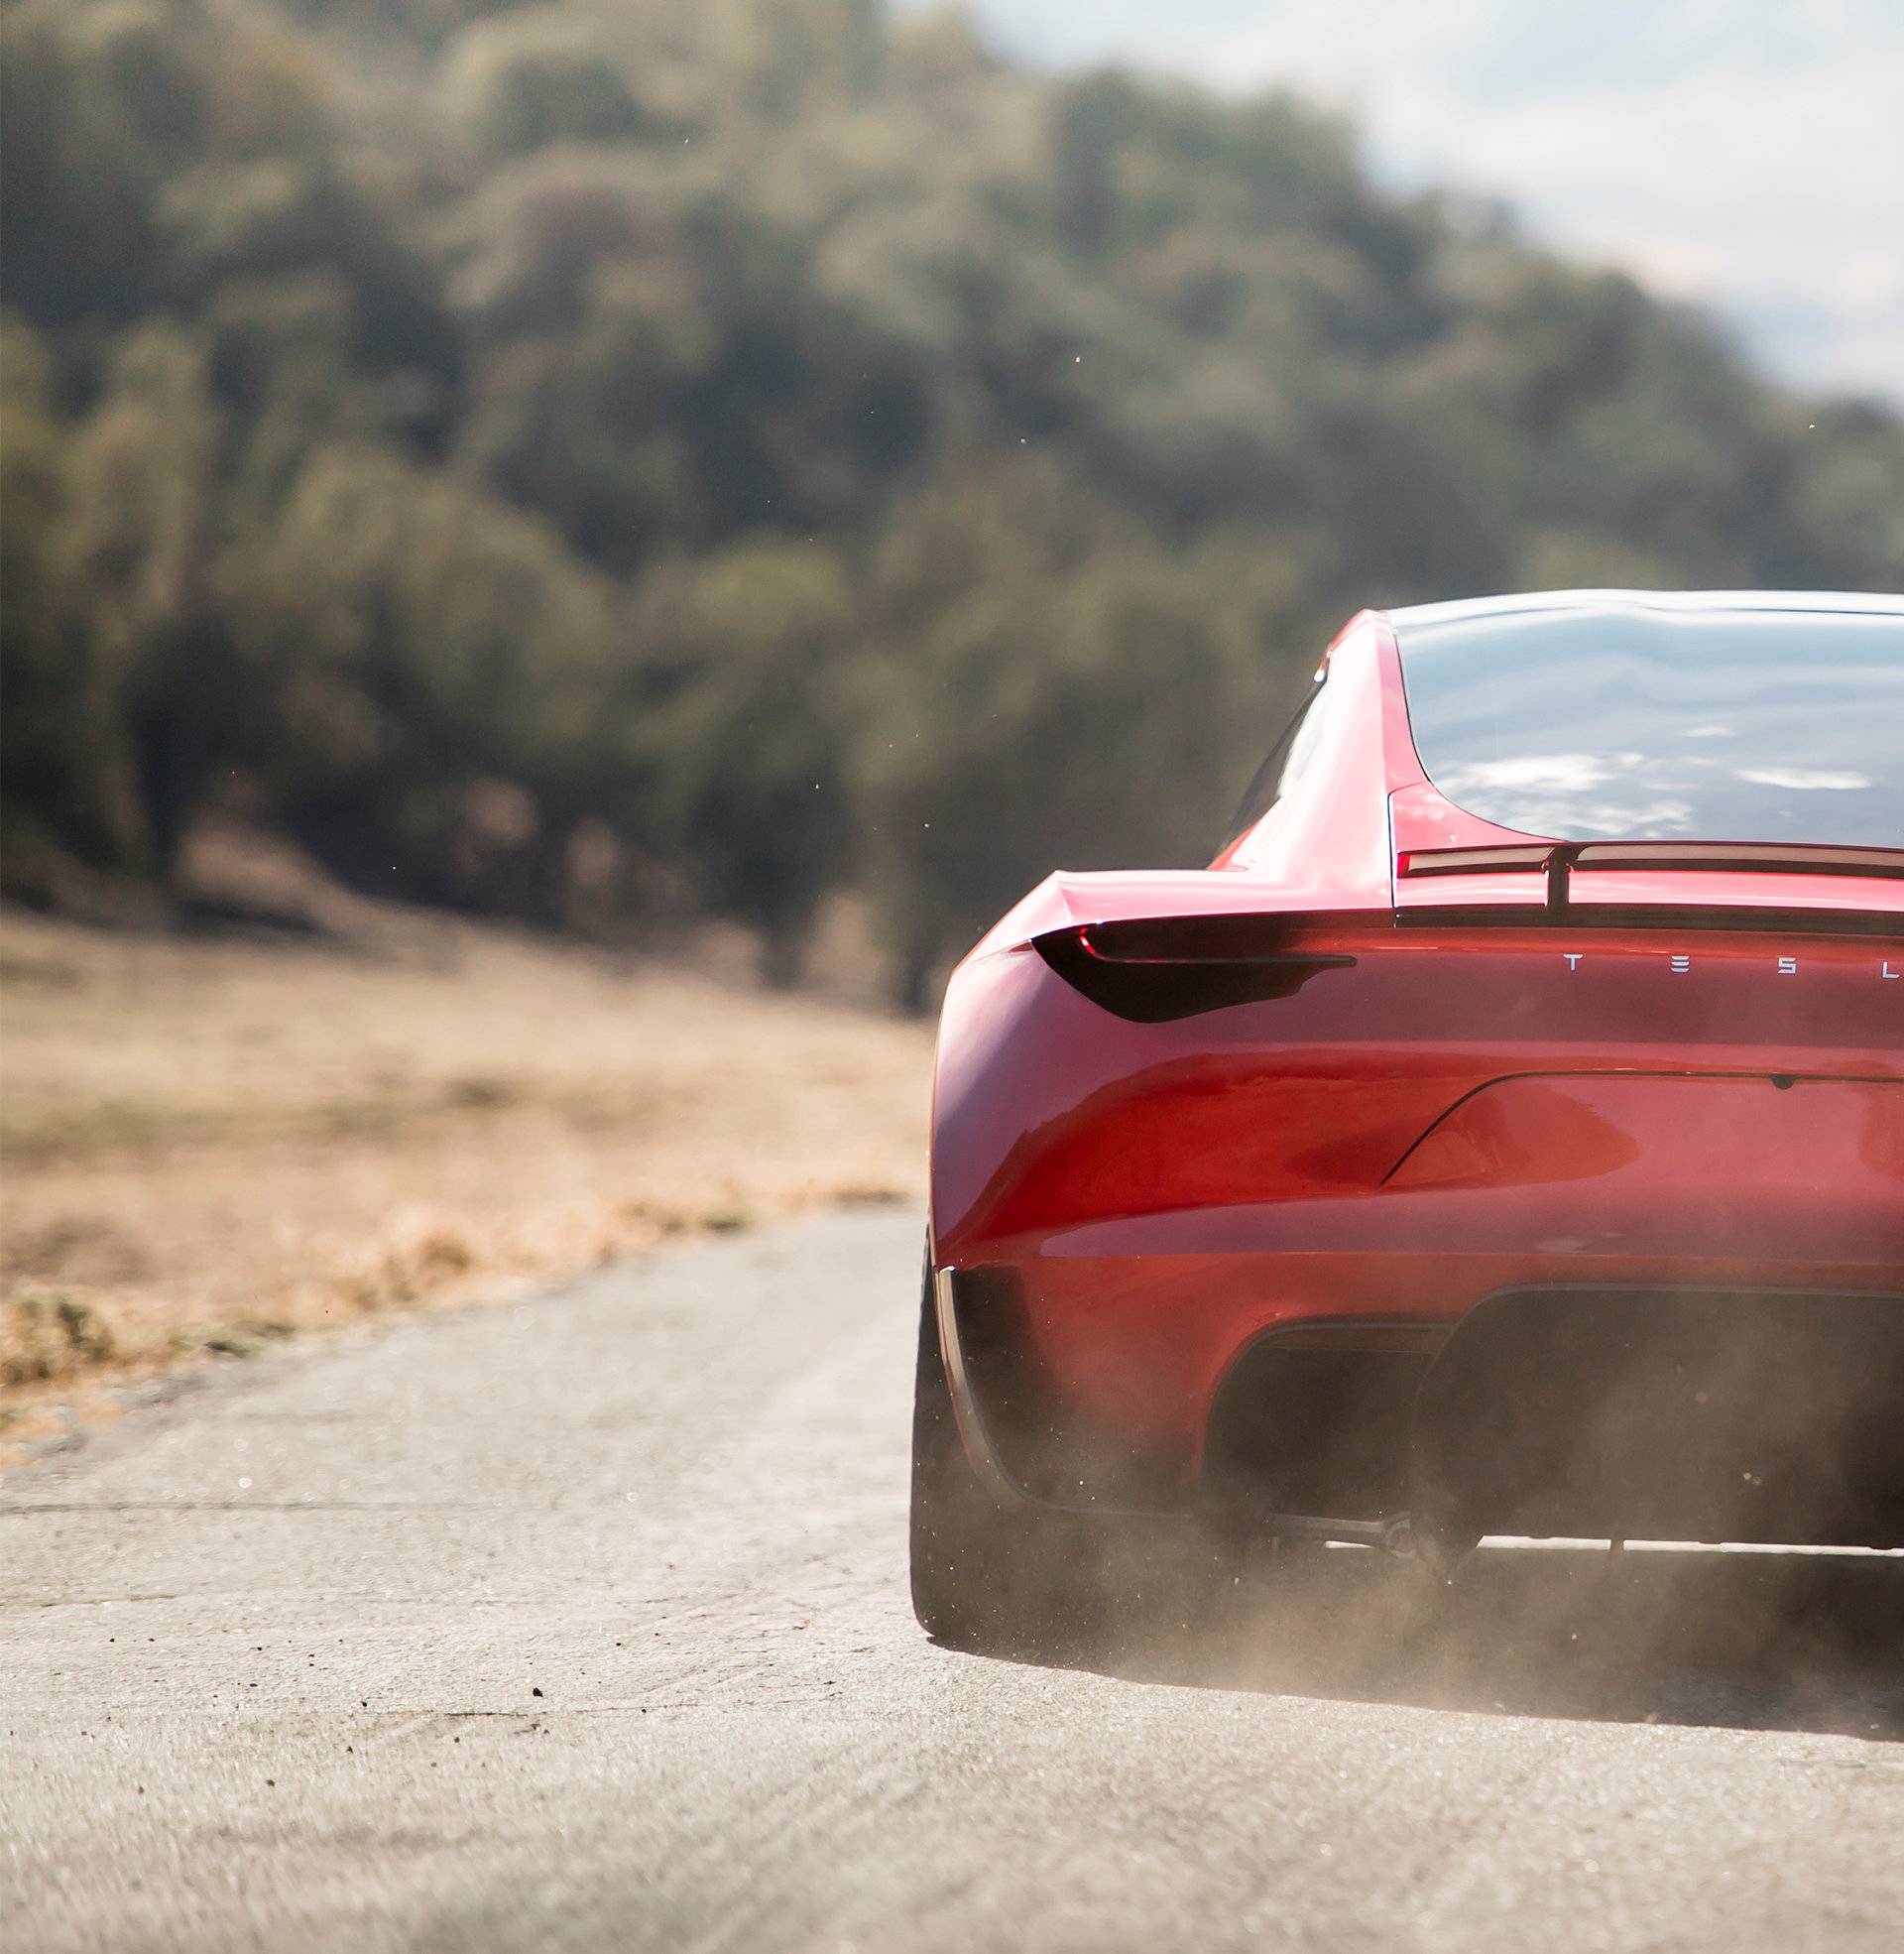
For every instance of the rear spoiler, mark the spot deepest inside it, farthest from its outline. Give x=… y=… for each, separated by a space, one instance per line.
x=1777 y=885
x=1561 y=858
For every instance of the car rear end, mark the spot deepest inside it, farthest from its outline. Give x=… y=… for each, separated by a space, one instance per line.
x=1550 y=1184
x=1223 y=1252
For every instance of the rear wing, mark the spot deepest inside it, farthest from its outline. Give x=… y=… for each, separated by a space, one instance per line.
x=1702 y=884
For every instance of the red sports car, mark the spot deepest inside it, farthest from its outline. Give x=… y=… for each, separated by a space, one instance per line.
x=1503 y=1134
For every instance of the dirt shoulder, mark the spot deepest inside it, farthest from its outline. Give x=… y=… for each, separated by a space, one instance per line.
x=208 y=1143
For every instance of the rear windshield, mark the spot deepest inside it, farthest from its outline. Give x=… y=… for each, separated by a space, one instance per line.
x=1585 y=724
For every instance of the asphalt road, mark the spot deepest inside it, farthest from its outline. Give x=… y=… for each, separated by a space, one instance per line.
x=582 y=1624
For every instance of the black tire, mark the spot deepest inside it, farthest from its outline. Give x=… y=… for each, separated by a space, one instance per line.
x=1025 y=1580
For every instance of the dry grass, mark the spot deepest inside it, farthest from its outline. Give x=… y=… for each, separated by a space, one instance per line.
x=205 y=1144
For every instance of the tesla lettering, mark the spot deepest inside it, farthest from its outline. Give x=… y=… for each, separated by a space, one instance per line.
x=1680 y=962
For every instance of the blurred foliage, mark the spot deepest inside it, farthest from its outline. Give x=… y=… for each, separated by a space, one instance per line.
x=757 y=448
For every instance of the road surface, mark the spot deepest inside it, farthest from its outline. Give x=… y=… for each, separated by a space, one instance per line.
x=582 y=1624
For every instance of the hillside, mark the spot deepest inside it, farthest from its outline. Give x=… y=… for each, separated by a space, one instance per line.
x=583 y=463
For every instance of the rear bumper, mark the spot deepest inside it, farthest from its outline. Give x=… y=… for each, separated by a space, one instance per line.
x=1136 y=1323
x=1289 y=1382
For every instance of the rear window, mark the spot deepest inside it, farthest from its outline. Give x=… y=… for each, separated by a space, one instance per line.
x=1587 y=723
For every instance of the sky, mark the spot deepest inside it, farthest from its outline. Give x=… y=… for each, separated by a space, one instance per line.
x=1745 y=153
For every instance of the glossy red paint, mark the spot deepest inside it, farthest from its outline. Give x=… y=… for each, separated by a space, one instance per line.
x=1481 y=1092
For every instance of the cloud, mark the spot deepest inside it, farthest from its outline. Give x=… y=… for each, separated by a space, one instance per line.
x=1542 y=773
x=1807 y=779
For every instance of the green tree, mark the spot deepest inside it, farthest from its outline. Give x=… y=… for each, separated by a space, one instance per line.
x=749 y=654
x=1042 y=689
x=146 y=534
x=745 y=691
x=66 y=775
x=516 y=85
x=414 y=646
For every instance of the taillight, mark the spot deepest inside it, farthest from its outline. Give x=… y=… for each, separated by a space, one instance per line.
x=1156 y=969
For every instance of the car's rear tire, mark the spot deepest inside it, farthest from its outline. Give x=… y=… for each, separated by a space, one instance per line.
x=1030 y=1580
x=984 y=1577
